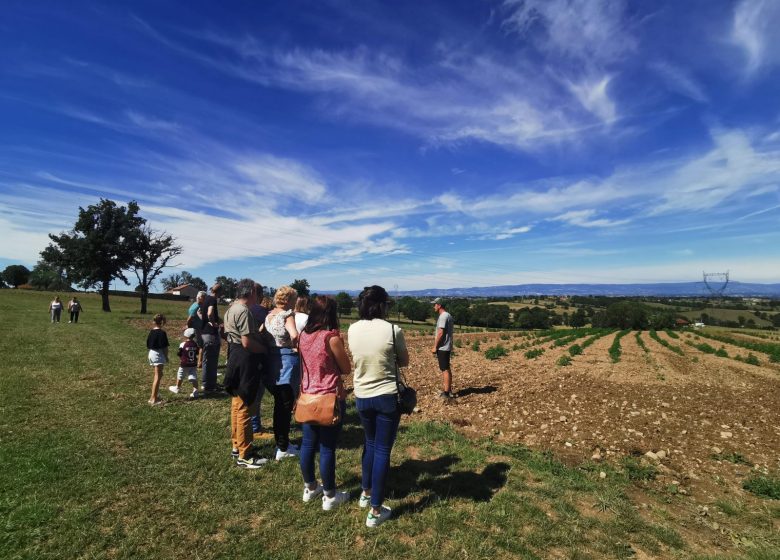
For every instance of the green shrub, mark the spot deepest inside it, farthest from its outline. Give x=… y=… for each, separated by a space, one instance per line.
x=564 y=360
x=671 y=333
x=640 y=342
x=505 y=337
x=765 y=486
x=535 y=353
x=614 y=350
x=721 y=352
x=516 y=347
x=458 y=344
x=575 y=350
x=475 y=346
x=496 y=352
x=635 y=470
x=752 y=360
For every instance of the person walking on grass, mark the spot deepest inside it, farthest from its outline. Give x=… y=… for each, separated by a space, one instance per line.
x=55 y=309
x=188 y=362
x=324 y=362
x=378 y=349
x=74 y=308
x=242 y=376
x=157 y=344
x=442 y=347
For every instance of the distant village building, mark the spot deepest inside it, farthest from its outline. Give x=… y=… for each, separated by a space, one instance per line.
x=184 y=290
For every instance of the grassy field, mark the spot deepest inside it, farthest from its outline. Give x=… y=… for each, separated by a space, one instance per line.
x=89 y=470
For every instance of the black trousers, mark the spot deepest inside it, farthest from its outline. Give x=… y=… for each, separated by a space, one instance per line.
x=74 y=316
x=284 y=399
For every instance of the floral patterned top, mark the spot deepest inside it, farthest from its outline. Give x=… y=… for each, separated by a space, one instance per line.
x=274 y=324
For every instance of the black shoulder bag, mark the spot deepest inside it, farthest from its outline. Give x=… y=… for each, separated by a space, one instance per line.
x=407 y=397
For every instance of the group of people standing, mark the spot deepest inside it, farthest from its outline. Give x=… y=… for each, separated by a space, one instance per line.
x=74 y=308
x=296 y=347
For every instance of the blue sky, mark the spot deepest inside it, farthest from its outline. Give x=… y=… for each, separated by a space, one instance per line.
x=418 y=144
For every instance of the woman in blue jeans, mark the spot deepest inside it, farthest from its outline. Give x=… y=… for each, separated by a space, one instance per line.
x=378 y=348
x=324 y=361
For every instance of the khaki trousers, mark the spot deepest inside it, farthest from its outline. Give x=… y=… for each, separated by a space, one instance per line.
x=240 y=427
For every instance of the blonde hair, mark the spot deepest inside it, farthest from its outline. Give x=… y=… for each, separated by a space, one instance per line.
x=285 y=296
x=159 y=320
x=268 y=303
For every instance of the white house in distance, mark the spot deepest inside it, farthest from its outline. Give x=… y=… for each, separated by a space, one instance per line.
x=184 y=290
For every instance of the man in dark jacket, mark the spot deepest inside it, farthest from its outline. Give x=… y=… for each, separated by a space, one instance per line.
x=242 y=376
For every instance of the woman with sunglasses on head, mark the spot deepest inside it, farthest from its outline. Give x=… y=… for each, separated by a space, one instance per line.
x=378 y=348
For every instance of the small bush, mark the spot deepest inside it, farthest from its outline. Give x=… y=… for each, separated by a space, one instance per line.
x=635 y=470
x=517 y=347
x=640 y=342
x=535 y=353
x=475 y=346
x=505 y=337
x=672 y=334
x=765 y=486
x=564 y=360
x=721 y=352
x=575 y=350
x=496 y=352
x=614 y=350
x=752 y=360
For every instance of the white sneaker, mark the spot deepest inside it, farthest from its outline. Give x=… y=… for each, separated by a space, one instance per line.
x=364 y=501
x=292 y=451
x=309 y=495
x=194 y=394
x=332 y=502
x=376 y=520
x=173 y=389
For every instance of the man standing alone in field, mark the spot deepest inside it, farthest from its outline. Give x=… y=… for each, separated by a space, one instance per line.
x=442 y=347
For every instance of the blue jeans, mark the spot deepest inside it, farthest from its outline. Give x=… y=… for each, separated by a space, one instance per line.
x=325 y=438
x=380 y=417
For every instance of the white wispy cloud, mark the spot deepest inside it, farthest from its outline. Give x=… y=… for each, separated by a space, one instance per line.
x=467 y=96
x=590 y=31
x=594 y=97
x=584 y=218
x=679 y=80
x=754 y=30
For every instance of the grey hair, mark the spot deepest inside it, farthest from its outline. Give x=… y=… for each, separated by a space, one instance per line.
x=200 y=294
x=245 y=288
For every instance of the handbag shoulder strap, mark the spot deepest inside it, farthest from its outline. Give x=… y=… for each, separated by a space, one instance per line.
x=395 y=360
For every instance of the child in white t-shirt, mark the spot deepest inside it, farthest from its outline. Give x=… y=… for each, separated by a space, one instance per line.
x=188 y=363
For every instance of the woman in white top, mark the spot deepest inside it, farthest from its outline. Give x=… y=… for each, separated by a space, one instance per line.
x=301 y=313
x=282 y=374
x=55 y=308
x=378 y=348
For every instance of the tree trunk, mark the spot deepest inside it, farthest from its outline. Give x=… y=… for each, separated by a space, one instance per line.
x=144 y=296
x=104 y=295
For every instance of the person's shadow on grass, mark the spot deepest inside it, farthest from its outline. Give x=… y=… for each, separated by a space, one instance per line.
x=442 y=483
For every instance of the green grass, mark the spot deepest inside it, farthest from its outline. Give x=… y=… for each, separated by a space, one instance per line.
x=640 y=342
x=766 y=486
x=89 y=470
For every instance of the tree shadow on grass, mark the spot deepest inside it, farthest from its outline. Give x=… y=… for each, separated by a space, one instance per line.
x=441 y=482
x=477 y=391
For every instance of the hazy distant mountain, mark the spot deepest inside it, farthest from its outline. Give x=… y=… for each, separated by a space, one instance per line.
x=671 y=289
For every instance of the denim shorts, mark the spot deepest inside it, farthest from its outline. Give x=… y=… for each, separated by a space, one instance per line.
x=156 y=358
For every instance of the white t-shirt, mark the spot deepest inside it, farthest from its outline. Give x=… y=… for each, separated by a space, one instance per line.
x=371 y=346
x=300 y=321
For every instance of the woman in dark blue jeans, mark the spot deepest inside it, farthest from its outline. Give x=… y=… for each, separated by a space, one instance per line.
x=378 y=348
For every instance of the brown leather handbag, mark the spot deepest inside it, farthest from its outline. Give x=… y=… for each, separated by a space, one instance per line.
x=320 y=410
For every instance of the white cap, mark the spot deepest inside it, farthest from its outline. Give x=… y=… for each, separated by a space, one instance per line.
x=189 y=333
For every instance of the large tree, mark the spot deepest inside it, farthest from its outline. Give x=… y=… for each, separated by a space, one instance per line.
x=99 y=248
x=229 y=286
x=45 y=276
x=301 y=286
x=152 y=253
x=16 y=275
x=344 y=303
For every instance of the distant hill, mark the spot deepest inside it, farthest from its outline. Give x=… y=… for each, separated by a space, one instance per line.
x=671 y=289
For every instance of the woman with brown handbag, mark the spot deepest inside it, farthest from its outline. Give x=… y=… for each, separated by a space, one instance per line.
x=324 y=361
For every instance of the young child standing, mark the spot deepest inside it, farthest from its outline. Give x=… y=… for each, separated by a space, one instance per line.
x=188 y=363
x=157 y=343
